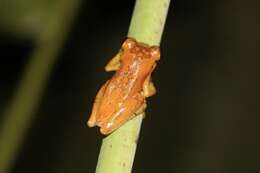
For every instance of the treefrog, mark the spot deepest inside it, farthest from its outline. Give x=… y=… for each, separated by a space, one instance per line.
x=124 y=95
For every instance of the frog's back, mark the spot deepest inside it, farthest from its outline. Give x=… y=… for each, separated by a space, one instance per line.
x=117 y=91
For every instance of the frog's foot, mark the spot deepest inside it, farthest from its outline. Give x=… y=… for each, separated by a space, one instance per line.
x=108 y=126
x=114 y=64
x=93 y=117
x=107 y=129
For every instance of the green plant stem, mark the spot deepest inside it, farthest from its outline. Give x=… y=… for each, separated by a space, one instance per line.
x=19 y=114
x=118 y=149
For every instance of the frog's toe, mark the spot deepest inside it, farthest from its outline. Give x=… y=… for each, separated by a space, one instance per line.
x=105 y=131
x=92 y=121
x=108 y=128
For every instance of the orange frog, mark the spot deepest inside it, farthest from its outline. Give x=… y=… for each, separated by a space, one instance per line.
x=123 y=97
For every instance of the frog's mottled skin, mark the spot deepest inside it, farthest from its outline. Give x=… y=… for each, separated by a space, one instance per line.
x=123 y=96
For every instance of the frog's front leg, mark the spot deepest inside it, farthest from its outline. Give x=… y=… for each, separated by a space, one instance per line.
x=93 y=117
x=148 y=87
x=114 y=64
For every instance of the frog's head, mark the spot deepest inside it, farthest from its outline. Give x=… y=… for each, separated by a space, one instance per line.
x=141 y=49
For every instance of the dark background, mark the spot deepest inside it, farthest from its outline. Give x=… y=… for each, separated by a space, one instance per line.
x=204 y=117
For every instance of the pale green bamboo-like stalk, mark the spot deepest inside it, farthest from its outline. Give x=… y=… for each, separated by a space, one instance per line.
x=118 y=149
x=19 y=114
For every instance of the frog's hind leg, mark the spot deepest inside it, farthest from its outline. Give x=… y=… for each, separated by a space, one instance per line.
x=92 y=120
x=141 y=109
x=114 y=64
x=127 y=112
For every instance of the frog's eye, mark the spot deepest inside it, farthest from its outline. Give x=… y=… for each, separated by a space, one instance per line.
x=155 y=52
x=128 y=43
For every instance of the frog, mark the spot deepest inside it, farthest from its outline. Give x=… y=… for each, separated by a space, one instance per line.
x=123 y=96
